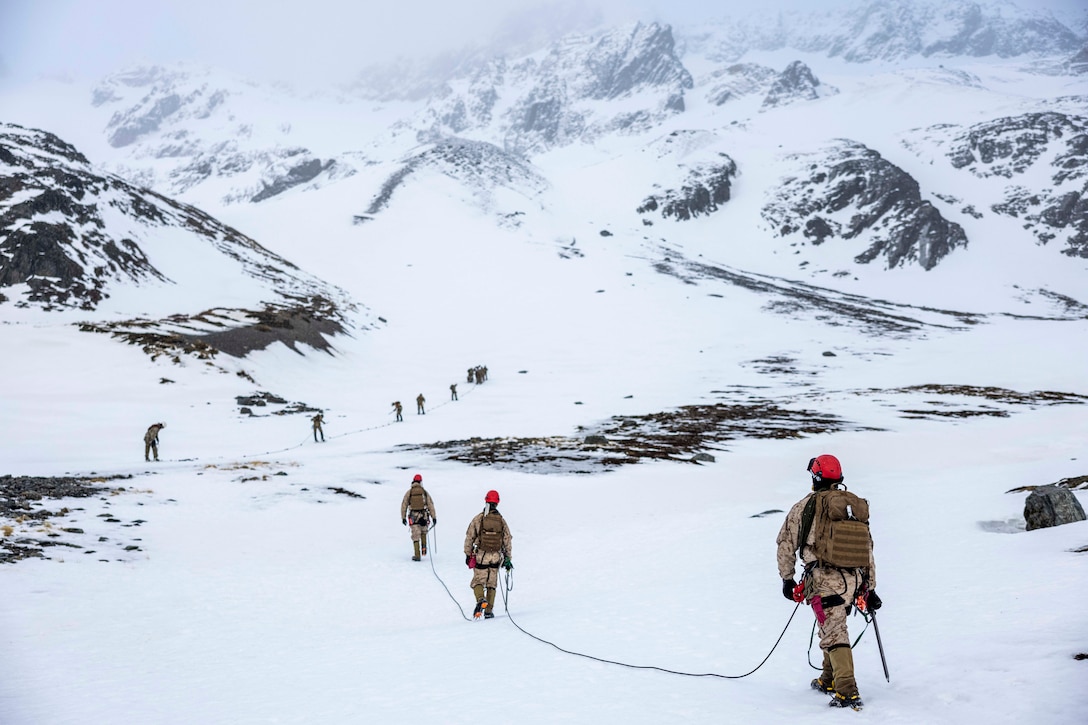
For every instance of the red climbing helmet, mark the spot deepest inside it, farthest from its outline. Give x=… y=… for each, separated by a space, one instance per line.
x=492 y=497
x=825 y=469
x=417 y=478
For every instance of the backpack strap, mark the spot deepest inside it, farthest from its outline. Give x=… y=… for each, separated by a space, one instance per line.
x=807 y=517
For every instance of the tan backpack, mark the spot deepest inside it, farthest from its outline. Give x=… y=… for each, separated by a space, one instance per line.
x=417 y=499
x=839 y=521
x=491 y=528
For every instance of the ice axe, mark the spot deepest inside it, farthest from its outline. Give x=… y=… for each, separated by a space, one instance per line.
x=862 y=603
x=880 y=646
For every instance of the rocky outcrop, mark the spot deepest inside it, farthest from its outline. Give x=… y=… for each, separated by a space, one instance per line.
x=69 y=233
x=795 y=83
x=195 y=124
x=478 y=166
x=300 y=173
x=705 y=188
x=53 y=238
x=848 y=191
x=1053 y=505
x=740 y=80
x=1044 y=157
x=553 y=98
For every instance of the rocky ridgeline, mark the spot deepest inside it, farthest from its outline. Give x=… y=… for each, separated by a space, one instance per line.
x=890 y=30
x=58 y=250
x=549 y=97
x=159 y=113
x=56 y=241
x=848 y=191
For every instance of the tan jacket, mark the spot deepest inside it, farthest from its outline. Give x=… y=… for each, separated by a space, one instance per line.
x=408 y=496
x=787 y=545
x=152 y=434
x=472 y=540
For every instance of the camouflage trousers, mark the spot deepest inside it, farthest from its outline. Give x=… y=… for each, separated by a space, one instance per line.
x=488 y=574
x=419 y=531
x=829 y=582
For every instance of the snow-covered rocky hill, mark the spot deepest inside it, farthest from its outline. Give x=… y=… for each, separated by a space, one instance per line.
x=690 y=257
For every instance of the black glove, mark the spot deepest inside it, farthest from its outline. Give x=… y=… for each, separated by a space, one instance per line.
x=434 y=521
x=873 y=601
x=507 y=564
x=467 y=557
x=788 y=585
x=404 y=522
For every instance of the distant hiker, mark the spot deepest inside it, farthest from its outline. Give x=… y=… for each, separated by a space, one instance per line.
x=151 y=441
x=317 y=421
x=479 y=373
x=488 y=544
x=398 y=408
x=471 y=373
x=453 y=392
x=839 y=569
x=420 y=400
x=417 y=510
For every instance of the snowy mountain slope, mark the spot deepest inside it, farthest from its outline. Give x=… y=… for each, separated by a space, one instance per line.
x=1043 y=157
x=76 y=239
x=568 y=92
x=186 y=126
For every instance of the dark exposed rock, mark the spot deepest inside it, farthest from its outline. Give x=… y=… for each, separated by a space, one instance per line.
x=1045 y=158
x=740 y=80
x=796 y=83
x=300 y=174
x=849 y=191
x=704 y=190
x=1049 y=506
x=66 y=255
x=58 y=243
x=479 y=165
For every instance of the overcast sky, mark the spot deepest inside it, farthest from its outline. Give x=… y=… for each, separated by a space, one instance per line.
x=302 y=39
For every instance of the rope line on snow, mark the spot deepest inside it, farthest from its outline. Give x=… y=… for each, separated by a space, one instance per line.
x=430 y=558
x=506 y=605
x=307 y=438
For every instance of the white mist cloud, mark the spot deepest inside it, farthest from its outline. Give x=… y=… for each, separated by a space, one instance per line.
x=318 y=41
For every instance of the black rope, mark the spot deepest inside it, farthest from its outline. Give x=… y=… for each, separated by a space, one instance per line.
x=506 y=605
x=430 y=558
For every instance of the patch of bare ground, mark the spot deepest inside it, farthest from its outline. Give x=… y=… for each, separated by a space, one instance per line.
x=955 y=401
x=27 y=524
x=235 y=332
x=674 y=435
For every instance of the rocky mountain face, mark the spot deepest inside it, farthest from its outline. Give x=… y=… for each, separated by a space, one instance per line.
x=796 y=83
x=893 y=30
x=848 y=191
x=53 y=238
x=1044 y=159
x=69 y=233
x=704 y=190
x=185 y=117
x=555 y=97
x=477 y=166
